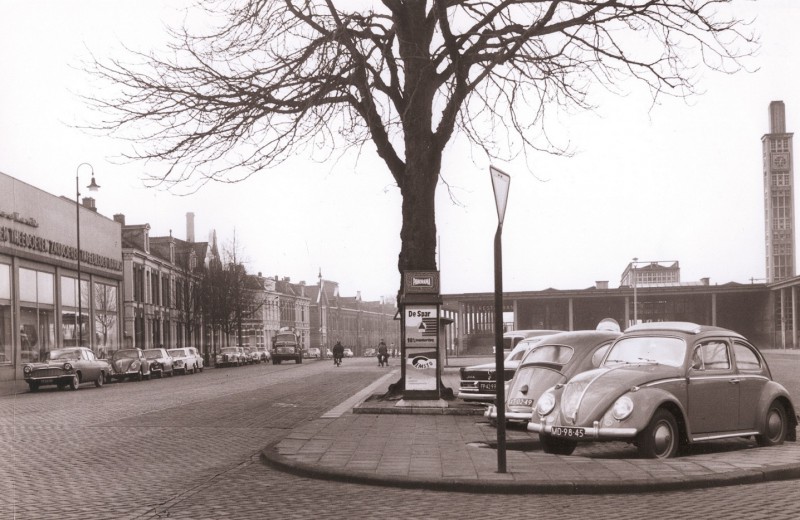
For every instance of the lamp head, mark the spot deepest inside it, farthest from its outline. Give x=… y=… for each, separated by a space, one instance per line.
x=93 y=186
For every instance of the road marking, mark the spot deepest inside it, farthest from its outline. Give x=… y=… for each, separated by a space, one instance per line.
x=344 y=407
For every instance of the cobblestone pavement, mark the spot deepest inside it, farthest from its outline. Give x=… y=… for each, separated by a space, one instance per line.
x=188 y=447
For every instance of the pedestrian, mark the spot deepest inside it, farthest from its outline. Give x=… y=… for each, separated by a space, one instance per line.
x=383 y=355
x=338 y=353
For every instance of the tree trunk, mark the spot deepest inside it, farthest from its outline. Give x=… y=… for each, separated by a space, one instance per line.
x=418 y=234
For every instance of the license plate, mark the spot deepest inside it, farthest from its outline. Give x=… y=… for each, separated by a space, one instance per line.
x=564 y=431
x=487 y=387
x=519 y=401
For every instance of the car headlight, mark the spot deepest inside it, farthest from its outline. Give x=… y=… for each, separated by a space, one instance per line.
x=622 y=408
x=67 y=366
x=27 y=369
x=546 y=404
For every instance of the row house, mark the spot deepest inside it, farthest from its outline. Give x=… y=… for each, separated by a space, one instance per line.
x=160 y=275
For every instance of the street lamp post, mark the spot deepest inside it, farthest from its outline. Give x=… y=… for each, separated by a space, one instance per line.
x=92 y=187
x=635 y=306
x=500 y=185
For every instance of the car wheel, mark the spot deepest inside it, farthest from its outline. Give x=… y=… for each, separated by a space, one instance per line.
x=661 y=437
x=100 y=380
x=33 y=385
x=774 y=431
x=557 y=445
x=75 y=382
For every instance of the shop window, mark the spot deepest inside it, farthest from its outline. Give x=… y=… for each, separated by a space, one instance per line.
x=106 y=323
x=69 y=311
x=6 y=353
x=37 y=315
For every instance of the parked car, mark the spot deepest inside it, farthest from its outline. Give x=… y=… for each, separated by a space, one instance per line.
x=554 y=360
x=67 y=367
x=180 y=360
x=161 y=362
x=348 y=352
x=328 y=353
x=230 y=356
x=264 y=354
x=130 y=363
x=195 y=361
x=251 y=355
x=512 y=338
x=370 y=352
x=314 y=353
x=665 y=386
x=478 y=381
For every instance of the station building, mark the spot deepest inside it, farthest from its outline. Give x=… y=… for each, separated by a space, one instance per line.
x=42 y=304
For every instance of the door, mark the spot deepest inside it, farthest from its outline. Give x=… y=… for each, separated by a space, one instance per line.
x=713 y=389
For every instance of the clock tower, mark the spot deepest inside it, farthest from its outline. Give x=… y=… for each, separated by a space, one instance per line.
x=776 y=147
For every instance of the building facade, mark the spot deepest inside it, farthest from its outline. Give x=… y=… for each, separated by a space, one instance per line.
x=161 y=305
x=42 y=303
x=358 y=324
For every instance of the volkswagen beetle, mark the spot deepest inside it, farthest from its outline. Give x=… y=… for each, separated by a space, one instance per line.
x=130 y=363
x=664 y=386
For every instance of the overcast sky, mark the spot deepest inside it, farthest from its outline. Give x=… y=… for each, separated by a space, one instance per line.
x=678 y=181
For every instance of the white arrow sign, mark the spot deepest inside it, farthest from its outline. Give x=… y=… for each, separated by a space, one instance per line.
x=500 y=184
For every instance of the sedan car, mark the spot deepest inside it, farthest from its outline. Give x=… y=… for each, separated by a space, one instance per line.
x=554 y=360
x=130 y=363
x=478 y=382
x=264 y=354
x=161 y=362
x=665 y=386
x=67 y=367
x=230 y=356
x=348 y=352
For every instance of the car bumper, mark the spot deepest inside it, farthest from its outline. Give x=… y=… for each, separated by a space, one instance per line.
x=44 y=380
x=593 y=432
x=491 y=413
x=469 y=395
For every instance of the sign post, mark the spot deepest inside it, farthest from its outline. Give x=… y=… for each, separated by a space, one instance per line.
x=420 y=308
x=500 y=185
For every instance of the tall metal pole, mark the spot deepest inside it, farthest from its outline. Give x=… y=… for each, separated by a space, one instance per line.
x=92 y=187
x=635 y=302
x=498 y=350
x=79 y=318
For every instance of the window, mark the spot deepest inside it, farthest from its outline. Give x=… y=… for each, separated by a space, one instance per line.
x=711 y=355
x=6 y=353
x=37 y=314
x=69 y=311
x=106 y=322
x=746 y=358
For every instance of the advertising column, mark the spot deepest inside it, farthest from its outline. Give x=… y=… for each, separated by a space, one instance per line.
x=420 y=308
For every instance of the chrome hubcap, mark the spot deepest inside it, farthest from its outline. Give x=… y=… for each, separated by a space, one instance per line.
x=663 y=438
x=774 y=424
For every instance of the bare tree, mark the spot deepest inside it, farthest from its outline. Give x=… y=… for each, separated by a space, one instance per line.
x=277 y=78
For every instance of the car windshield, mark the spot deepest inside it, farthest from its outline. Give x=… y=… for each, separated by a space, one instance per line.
x=560 y=354
x=176 y=352
x=229 y=350
x=152 y=354
x=125 y=354
x=647 y=349
x=63 y=354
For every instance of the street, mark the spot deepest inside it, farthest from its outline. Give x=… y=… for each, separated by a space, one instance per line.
x=188 y=447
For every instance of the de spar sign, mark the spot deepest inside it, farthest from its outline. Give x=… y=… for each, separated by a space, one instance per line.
x=421 y=325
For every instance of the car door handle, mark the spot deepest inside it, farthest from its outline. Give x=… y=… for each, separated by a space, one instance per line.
x=734 y=381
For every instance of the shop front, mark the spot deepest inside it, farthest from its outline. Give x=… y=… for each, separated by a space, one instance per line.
x=42 y=304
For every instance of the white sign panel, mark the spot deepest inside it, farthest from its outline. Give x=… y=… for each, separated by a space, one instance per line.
x=420 y=369
x=421 y=326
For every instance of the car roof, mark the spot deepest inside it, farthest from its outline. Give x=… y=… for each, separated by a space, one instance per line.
x=528 y=333
x=676 y=326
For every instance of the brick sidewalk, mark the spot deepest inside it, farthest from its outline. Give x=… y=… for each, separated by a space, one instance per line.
x=457 y=453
